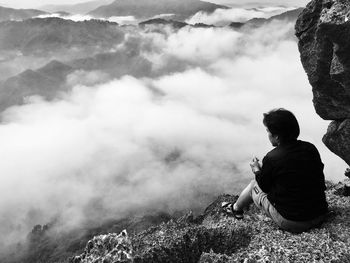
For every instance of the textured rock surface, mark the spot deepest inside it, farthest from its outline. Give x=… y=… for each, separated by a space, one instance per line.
x=338 y=138
x=323 y=29
x=111 y=247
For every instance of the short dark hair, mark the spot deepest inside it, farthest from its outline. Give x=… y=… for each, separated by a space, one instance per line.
x=283 y=123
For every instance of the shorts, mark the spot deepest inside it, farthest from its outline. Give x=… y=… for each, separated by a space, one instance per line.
x=261 y=201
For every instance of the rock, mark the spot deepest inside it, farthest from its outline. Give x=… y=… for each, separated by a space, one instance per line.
x=337 y=139
x=342 y=188
x=347 y=173
x=217 y=238
x=181 y=240
x=323 y=31
x=107 y=249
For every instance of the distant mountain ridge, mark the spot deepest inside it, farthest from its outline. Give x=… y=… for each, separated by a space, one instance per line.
x=290 y=16
x=46 y=82
x=50 y=80
x=18 y=14
x=49 y=34
x=181 y=9
x=170 y=22
x=81 y=8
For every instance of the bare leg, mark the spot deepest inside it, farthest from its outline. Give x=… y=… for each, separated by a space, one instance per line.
x=245 y=198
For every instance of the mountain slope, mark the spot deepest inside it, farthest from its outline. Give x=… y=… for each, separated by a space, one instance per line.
x=18 y=14
x=211 y=237
x=290 y=16
x=47 y=245
x=46 y=82
x=50 y=34
x=149 y=8
x=217 y=238
x=50 y=80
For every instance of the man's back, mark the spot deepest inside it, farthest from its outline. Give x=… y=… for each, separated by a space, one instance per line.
x=292 y=176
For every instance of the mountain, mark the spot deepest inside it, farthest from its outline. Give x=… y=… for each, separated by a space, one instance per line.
x=161 y=21
x=42 y=35
x=49 y=81
x=81 y=8
x=46 y=82
x=289 y=16
x=169 y=22
x=182 y=9
x=18 y=14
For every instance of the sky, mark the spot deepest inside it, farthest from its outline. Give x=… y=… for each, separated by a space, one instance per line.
x=36 y=4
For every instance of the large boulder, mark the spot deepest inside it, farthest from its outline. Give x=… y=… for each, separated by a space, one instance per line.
x=323 y=30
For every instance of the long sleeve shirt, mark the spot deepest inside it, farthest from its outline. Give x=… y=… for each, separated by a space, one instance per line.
x=292 y=176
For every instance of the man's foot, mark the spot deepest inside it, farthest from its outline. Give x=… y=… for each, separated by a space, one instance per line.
x=227 y=207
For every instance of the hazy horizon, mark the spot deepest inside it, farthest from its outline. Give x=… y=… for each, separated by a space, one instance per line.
x=34 y=4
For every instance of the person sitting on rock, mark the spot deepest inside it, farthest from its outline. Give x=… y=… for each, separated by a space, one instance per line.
x=289 y=186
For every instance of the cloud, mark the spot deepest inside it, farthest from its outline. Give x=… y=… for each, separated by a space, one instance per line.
x=75 y=18
x=196 y=45
x=166 y=142
x=87 y=78
x=222 y=17
x=122 y=20
x=113 y=143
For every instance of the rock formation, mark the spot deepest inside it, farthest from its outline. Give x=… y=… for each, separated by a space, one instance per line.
x=323 y=30
x=111 y=247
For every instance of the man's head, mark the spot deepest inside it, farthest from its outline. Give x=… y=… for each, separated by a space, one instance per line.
x=281 y=125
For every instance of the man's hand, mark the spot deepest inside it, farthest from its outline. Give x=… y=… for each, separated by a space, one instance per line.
x=255 y=165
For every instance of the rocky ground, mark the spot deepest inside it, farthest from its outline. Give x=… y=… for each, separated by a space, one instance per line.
x=214 y=237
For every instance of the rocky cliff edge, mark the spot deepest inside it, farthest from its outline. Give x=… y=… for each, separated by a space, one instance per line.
x=323 y=30
x=213 y=237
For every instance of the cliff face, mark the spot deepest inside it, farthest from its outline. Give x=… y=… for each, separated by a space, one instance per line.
x=323 y=30
x=214 y=237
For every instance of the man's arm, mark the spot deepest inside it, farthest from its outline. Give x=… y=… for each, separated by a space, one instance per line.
x=264 y=175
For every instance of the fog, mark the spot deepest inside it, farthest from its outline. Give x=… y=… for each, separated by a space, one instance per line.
x=122 y=20
x=111 y=147
x=223 y=17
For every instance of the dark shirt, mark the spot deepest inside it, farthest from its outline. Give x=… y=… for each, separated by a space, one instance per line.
x=292 y=176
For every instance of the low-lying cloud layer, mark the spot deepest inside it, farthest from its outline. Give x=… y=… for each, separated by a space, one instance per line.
x=222 y=17
x=171 y=142
x=122 y=20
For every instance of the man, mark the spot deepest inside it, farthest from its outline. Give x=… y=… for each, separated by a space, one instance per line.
x=289 y=185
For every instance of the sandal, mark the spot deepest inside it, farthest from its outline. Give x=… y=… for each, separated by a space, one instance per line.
x=227 y=207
